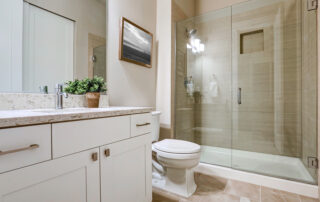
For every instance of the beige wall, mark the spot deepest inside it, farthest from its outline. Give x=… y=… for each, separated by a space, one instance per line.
x=204 y=6
x=183 y=9
x=164 y=61
x=89 y=17
x=130 y=84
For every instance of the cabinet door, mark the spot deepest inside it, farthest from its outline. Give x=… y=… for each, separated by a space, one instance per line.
x=73 y=178
x=126 y=170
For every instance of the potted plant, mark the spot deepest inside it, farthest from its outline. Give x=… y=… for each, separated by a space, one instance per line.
x=91 y=87
x=95 y=87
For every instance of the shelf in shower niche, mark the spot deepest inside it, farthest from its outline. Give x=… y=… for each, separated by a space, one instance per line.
x=252 y=41
x=184 y=109
x=204 y=129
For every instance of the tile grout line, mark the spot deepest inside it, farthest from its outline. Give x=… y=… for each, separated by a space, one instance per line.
x=260 y=194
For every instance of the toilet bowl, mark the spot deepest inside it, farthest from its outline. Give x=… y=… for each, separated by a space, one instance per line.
x=178 y=159
x=173 y=163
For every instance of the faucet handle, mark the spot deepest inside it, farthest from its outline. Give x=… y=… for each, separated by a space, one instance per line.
x=59 y=87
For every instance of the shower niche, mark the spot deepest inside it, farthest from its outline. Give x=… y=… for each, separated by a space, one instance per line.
x=252 y=41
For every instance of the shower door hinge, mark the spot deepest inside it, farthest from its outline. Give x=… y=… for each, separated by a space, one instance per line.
x=312 y=5
x=312 y=162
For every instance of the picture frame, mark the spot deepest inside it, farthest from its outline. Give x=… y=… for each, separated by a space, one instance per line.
x=136 y=44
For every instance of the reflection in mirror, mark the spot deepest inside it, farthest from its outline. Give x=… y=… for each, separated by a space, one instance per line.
x=97 y=53
x=47 y=49
x=48 y=42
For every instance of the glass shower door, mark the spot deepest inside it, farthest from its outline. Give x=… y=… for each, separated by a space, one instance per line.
x=99 y=63
x=270 y=80
x=203 y=85
x=246 y=87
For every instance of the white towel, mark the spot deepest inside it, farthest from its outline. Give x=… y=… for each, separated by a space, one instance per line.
x=213 y=87
x=190 y=88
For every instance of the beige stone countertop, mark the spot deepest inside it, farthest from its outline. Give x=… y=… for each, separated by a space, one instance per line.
x=13 y=118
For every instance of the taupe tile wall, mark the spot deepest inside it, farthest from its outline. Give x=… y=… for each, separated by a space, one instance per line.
x=309 y=86
x=184 y=122
x=269 y=119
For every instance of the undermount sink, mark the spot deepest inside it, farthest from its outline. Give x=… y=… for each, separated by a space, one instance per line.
x=67 y=110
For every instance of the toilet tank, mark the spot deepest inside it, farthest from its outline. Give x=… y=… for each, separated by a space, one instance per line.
x=155 y=125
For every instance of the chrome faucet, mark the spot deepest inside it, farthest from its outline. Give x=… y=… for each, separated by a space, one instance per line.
x=59 y=96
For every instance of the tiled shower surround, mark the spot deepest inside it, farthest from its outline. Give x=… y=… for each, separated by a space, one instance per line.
x=276 y=69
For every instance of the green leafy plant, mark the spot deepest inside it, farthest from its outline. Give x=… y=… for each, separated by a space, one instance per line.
x=97 y=84
x=86 y=85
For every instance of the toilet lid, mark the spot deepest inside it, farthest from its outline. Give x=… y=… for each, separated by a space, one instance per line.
x=177 y=146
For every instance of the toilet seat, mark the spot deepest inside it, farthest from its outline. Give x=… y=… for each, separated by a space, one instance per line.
x=177 y=146
x=169 y=155
x=176 y=149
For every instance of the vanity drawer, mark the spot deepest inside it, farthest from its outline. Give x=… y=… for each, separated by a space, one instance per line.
x=76 y=136
x=24 y=146
x=140 y=124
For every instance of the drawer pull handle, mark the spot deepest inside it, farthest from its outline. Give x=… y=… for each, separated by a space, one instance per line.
x=31 y=147
x=107 y=152
x=144 y=124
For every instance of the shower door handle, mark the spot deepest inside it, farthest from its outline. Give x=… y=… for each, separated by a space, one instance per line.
x=239 y=96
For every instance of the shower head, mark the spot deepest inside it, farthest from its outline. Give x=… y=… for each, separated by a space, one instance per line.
x=191 y=32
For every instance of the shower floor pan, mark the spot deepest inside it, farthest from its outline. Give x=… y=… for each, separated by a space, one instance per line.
x=272 y=165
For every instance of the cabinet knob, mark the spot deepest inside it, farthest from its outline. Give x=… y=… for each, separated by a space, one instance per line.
x=107 y=152
x=94 y=156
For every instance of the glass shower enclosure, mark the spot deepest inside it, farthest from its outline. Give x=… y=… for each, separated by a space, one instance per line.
x=246 y=87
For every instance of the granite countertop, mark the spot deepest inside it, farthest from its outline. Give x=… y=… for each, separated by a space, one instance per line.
x=13 y=118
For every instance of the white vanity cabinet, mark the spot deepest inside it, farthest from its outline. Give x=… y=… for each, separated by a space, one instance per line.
x=24 y=146
x=73 y=178
x=126 y=171
x=90 y=161
x=75 y=136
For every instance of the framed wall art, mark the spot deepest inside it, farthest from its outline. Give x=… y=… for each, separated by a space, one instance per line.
x=135 y=44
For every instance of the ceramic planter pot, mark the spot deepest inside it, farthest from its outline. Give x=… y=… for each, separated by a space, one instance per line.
x=93 y=99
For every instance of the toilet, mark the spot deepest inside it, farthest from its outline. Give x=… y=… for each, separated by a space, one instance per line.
x=173 y=162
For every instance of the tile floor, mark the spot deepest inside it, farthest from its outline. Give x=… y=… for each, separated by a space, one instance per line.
x=211 y=189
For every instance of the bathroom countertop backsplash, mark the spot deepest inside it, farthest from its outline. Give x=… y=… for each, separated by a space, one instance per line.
x=18 y=101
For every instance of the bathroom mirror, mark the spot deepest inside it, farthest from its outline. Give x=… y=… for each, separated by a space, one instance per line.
x=48 y=42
